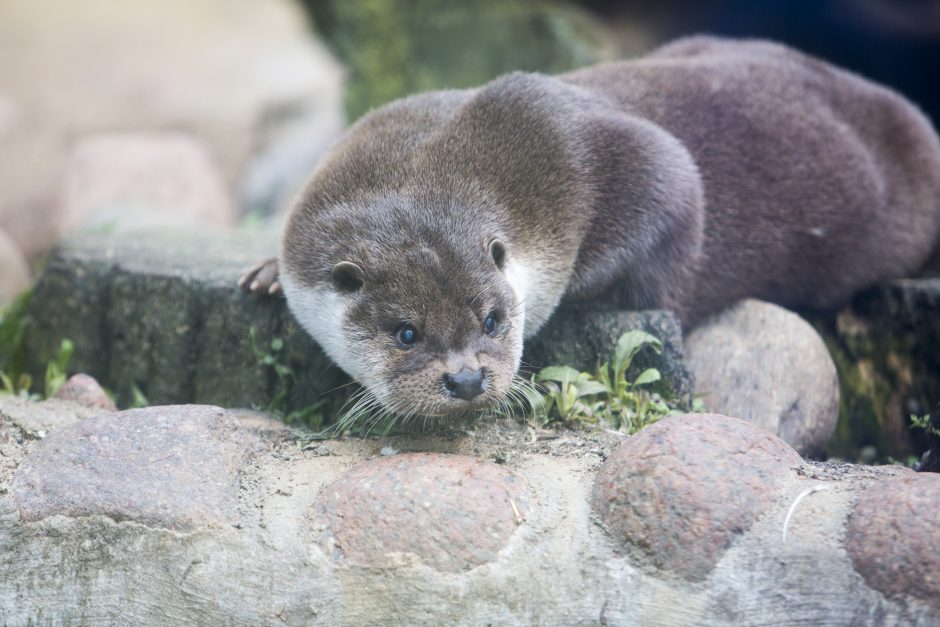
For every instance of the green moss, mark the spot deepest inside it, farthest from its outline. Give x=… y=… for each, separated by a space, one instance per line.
x=874 y=368
x=392 y=49
x=861 y=406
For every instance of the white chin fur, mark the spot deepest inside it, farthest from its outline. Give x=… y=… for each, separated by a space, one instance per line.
x=322 y=313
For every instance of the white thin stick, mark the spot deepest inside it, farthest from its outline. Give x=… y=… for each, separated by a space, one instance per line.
x=796 y=501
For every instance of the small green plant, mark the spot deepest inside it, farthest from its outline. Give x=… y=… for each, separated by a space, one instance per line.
x=923 y=422
x=310 y=416
x=14 y=322
x=56 y=370
x=270 y=357
x=18 y=386
x=569 y=395
x=138 y=398
x=608 y=395
x=21 y=383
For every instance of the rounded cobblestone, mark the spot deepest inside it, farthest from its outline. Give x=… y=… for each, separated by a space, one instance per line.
x=86 y=391
x=893 y=536
x=175 y=467
x=452 y=512
x=677 y=494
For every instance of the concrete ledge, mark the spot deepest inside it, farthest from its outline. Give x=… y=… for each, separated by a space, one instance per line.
x=352 y=533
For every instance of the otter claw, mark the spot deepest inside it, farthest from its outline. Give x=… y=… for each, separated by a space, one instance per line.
x=247 y=275
x=261 y=278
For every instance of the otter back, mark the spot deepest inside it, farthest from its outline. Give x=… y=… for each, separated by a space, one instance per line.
x=445 y=227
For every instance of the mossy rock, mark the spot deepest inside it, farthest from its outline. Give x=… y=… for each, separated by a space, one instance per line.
x=159 y=311
x=392 y=49
x=886 y=346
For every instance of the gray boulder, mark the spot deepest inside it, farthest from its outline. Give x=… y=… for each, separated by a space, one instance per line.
x=126 y=181
x=234 y=74
x=766 y=365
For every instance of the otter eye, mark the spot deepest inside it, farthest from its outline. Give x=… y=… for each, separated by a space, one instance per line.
x=406 y=335
x=489 y=324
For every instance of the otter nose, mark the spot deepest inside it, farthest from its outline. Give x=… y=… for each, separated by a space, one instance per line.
x=466 y=384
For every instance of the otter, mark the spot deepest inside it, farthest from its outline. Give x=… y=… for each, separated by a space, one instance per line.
x=443 y=229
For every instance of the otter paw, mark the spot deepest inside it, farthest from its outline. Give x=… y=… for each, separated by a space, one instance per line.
x=261 y=278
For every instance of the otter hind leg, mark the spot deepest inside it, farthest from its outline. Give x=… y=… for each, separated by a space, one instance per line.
x=261 y=278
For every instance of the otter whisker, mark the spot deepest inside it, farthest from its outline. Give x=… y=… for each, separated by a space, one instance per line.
x=364 y=406
x=415 y=416
x=341 y=386
x=374 y=420
x=351 y=406
x=401 y=419
x=501 y=408
x=344 y=415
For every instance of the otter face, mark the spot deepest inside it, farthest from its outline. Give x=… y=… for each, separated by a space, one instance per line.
x=428 y=327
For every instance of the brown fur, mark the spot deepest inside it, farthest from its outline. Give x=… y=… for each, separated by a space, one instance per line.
x=703 y=173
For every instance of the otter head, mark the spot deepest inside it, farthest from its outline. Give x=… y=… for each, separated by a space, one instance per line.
x=423 y=314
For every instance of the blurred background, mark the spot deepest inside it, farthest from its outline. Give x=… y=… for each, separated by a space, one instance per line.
x=211 y=113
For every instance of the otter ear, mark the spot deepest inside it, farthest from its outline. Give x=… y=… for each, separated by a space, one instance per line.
x=497 y=252
x=347 y=277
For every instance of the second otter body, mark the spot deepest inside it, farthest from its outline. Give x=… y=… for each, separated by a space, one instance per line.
x=444 y=228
